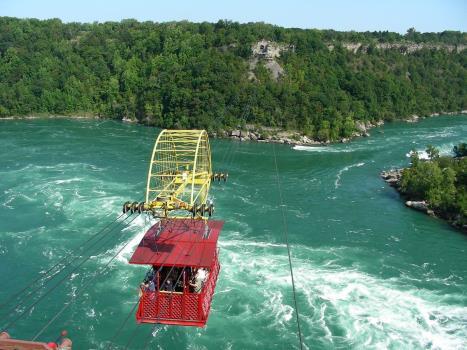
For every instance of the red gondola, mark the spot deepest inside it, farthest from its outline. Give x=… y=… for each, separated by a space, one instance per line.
x=178 y=249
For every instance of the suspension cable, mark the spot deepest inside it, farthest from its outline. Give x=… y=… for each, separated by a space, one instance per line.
x=149 y=337
x=12 y=323
x=32 y=291
x=117 y=333
x=286 y=236
x=46 y=274
x=83 y=289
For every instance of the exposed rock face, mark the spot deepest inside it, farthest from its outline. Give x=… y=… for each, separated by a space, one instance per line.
x=392 y=177
x=403 y=47
x=235 y=133
x=129 y=120
x=268 y=51
x=360 y=126
x=276 y=70
x=271 y=136
x=412 y=119
x=417 y=205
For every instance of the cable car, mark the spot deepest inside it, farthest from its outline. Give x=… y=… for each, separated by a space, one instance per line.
x=181 y=248
x=179 y=251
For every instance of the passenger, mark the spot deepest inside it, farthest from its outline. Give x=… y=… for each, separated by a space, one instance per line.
x=151 y=286
x=142 y=288
x=157 y=280
x=191 y=279
x=149 y=275
x=198 y=281
x=168 y=285
x=179 y=283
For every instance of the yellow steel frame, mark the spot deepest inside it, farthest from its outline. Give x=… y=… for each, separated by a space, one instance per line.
x=180 y=172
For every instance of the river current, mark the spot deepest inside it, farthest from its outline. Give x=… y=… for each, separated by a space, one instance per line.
x=369 y=272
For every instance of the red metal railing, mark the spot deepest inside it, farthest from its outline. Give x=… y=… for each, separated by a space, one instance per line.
x=208 y=290
x=179 y=308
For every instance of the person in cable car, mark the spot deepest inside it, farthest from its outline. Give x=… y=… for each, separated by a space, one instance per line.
x=150 y=275
x=199 y=279
x=151 y=286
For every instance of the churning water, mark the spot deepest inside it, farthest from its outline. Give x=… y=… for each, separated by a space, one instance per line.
x=370 y=273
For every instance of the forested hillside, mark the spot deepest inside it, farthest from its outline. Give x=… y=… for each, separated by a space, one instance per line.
x=188 y=75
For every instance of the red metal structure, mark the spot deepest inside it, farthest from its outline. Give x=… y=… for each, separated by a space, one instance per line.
x=179 y=251
x=8 y=343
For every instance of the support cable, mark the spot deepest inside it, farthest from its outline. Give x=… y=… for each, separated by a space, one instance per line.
x=83 y=289
x=286 y=235
x=149 y=337
x=77 y=257
x=46 y=274
x=12 y=323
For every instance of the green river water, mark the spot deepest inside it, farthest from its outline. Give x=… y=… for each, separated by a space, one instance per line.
x=370 y=273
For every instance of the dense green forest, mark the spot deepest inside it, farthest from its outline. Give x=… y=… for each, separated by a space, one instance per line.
x=441 y=181
x=187 y=75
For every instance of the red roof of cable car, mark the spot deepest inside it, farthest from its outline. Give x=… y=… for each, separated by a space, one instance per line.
x=180 y=242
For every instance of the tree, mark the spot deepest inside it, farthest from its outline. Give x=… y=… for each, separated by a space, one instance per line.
x=442 y=182
x=433 y=152
x=199 y=75
x=460 y=150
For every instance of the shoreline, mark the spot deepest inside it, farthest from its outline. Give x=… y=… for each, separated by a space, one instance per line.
x=258 y=134
x=393 y=178
x=294 y=138
x=52 y=116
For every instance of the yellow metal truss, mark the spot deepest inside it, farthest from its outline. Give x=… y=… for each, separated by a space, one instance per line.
x=180 y=172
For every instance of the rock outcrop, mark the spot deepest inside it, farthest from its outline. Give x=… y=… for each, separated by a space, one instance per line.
x=269 y=135
x=402 y=47
x=268 y=52
x=392 y=177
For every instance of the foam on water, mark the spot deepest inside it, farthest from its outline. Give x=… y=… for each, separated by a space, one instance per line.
x=444 y=150
x=349 y=296
x=348 y=306
x=322 y=149
x=347 y=168
x=136 y=230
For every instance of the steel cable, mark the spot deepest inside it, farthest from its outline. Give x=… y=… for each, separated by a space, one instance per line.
x=83 y=289
x=12 y=323
x=32 y=291
x=46 y=274
x=286 y=235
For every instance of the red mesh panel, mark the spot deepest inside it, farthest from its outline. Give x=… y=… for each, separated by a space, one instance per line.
x=177 y=308
x=191 y=307
x=209 y=288
x=157 y=306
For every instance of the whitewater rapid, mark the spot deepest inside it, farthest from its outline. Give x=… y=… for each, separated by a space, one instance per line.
x=369 y=273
